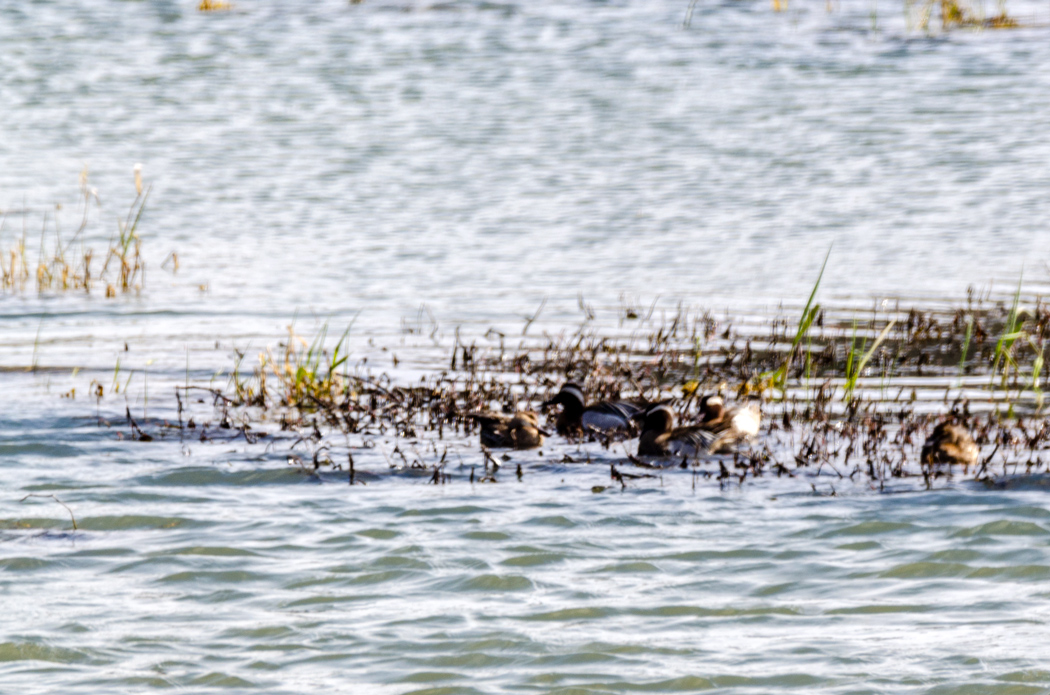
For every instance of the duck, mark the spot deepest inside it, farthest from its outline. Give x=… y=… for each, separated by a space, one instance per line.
x=661 y=438
x=608 y=417
x=732 y=425
x=950 y=443
x=520 y=430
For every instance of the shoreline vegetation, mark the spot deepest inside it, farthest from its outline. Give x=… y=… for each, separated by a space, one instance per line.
x=52 y=262
x=920 y=15
x=844 y=394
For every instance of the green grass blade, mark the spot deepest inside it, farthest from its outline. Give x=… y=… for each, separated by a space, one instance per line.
x=851 y=384
x=809 y=315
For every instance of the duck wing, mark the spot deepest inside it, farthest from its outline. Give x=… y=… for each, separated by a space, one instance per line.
x=728 y=441
x=489 y=418
x=524 y=435
x=494 y=428
x=691 y=441
x=610 y=415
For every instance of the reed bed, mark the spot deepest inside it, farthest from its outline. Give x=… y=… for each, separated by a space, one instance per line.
x=844 y=394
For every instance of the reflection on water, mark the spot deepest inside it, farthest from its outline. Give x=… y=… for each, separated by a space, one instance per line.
x=330 y=159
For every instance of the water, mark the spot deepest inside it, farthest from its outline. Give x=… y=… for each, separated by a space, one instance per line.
x=329 y=161
x=238 y=576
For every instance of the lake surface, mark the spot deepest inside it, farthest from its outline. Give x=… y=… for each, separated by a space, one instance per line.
x=422 y=167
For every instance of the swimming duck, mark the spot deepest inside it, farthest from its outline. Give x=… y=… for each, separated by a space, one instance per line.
x=501 y=430
x=661 y=438
x=605 y=416
x=732 y=425
x=950 y=443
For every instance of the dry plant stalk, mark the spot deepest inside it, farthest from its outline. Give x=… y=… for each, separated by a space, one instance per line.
x=957 y=14
x=64 y=266
x=213 y=6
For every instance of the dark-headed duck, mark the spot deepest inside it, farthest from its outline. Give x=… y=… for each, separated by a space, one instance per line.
x=606 y=416
x=661 y=438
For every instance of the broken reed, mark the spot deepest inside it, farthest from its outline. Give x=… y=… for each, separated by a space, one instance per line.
x=58 y=264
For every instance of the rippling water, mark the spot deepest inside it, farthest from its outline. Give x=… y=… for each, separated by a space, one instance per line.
x=229 y=574
x=329 y=161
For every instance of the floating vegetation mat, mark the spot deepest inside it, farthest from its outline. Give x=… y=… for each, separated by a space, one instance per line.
x=844 y=395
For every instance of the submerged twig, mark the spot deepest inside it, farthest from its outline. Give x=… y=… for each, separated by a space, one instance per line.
x=55 y=498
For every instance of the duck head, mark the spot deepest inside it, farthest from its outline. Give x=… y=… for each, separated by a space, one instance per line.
x=712 y=408
x=659 y=419
x=570 y=398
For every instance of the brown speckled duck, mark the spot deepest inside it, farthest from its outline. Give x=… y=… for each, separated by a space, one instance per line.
x=950 y=443
x=520 y=430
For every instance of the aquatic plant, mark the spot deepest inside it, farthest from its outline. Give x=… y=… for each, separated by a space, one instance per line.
x=1003 y=359
x=298 y=374
x=214 y=6
x=68 y=265
x=778 y=378
x=954 y=14
x=966 y=345
x=308 y=372
x=854 y=367
x=960 y=14
x=821 y=423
